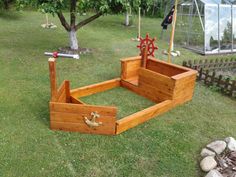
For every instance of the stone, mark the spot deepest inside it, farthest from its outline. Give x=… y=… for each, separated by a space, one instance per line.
x=206 y=152
x=231 y=143
x=217 y=146
x=214 y=173
x=208 y=163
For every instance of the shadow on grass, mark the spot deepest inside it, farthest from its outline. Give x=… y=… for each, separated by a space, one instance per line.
x=10 y=15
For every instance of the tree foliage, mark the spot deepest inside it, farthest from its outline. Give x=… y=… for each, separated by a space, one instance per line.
x=75 y=7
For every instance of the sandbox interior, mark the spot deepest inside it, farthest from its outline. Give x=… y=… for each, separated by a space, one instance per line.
x=167 y=85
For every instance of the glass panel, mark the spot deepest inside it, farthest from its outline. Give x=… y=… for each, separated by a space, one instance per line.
x=225 y=28
x=209 y=1
x=196 y=36
x=182 y=26
x=234 y=26
x=211 y=28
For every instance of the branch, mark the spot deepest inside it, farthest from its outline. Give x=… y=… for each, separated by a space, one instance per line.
x=63 y=21
x=72 y=13
x=88 y=20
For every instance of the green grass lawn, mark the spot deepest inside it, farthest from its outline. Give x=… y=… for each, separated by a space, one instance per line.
x=167 y=146
x=126 y=101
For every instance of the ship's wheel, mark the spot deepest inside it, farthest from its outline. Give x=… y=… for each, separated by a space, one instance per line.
x=149 y=43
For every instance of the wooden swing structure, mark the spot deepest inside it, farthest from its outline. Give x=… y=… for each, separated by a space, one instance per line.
x=168 y=85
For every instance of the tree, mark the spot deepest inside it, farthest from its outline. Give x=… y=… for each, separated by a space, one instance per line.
x=56 y=7
x=99 y=7
x=5 y=4
x=129 y=6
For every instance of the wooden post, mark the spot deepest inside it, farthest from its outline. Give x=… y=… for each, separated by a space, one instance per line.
x=144 y=56
x=139 y=23
x=53 y=83
x=172 y=31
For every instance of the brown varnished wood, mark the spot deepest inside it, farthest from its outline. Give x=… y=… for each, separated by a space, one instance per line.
x=95 y=88
x=130 y=67
x=71 y=117
x=142 y=116
x=164 y=68
x=63 y=93
x=82 y=128
x=76 y=108
x=76 y=101
x=168 y=85
x=52 y=75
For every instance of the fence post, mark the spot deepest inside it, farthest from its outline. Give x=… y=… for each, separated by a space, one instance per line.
x=200 y=75
x=226 y=85
x=206 y=77
x=213 y=78
x=219 y=80
x=233 y=88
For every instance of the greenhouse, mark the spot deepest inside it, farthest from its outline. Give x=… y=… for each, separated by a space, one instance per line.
x=207 y=26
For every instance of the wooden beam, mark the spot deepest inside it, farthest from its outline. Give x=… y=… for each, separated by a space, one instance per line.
x=172 y=36
x=95 y=88
x=52 y=73
x=131 y=59
x=75 y=117
x=75 y=100
x=81 y=109
x=142 y=116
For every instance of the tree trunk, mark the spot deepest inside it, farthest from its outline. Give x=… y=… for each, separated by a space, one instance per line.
x=6 y=4
x=127 y=18
x=73 y=40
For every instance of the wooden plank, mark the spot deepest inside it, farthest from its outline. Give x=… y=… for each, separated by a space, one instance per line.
x=165 y=68
x=81 y=109
x=184 y=87
x=63 y=93
x=133 y=80
x=67 y=90
x=82 y=128
x=140 y=91
x=185 y=75
x=71 y=117
x=129 y=68
x=130 y=59
x=142 y=116
x=156 y=80
x=61 y=89
x=156 y=94
x=52 y=74
x=75 y=100
x=95 y=88
x=77 y=118
x=62 y=97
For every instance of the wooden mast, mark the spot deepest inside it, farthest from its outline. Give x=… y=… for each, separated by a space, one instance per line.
x=53 y=82
x=172 y=32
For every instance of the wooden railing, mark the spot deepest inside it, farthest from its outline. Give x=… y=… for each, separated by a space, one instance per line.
x=207 y=73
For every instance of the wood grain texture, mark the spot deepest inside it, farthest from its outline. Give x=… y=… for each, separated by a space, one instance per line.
x=95 y=88
x=81 y=109
x=184 y=87
x=71 y=117
x=130 y=67
x=142 y=116
x=129 y=59
x=52 y=75
x=136 y=89
x=158 y=85
x=76 y=101
x=165 y=68
x=63 y=93
x=82 y=128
